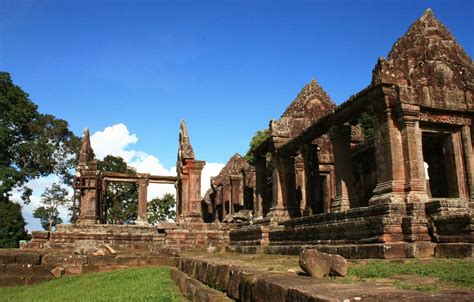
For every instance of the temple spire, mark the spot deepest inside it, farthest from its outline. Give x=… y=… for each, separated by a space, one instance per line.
x=185 y=149
x=86 y=153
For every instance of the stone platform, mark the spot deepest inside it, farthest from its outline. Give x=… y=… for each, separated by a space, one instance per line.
x=441 y=228
x=162 y=238
x=256 y=278
x=27 y=267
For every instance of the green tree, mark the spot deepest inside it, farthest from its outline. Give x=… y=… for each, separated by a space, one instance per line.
x=31 y=145
x=12 y=224
x=121 y=198
x=52 y=198
x=162 y=209
x=258 y=138
x=367 y=123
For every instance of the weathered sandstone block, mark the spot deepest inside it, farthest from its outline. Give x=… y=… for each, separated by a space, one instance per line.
x=318 y=264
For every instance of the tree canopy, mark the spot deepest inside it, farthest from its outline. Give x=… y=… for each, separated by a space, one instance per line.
x=162 y=209
x=258 y=138
x=121 y=198
x=32 y=145
x=52 y=198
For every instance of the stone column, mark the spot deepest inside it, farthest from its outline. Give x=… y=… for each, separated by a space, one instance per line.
x=194 y=206
x=260 y=184
x=408 y=120
x=341 y=140
x=217 y=200
x=227 y=195
x=89 y=187
x=311 y=170
x=284 y=188
x=469 y=161
x=300 y=184
x=388 y=154
x=249 y=198
x=142 y=218
x=236 y=190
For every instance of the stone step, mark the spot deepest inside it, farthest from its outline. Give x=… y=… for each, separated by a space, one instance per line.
x=194 y=290
x=249 y=284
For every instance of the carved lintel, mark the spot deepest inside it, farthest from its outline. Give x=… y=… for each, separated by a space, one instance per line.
x=445 y=118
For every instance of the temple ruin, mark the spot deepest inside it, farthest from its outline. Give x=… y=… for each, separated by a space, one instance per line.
x=389 y=173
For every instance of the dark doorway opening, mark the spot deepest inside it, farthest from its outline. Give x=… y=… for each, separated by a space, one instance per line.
x=438 y=153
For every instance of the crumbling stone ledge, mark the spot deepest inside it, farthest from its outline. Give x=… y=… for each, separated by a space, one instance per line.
x=247 y=284
x=194 y=290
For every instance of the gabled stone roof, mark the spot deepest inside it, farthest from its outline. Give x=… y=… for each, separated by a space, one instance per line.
x=312 y=102
x=233 y=167
x=429 y=66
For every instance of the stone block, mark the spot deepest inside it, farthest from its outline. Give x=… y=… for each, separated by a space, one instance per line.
x=6 y=281
x=15 y=269
x=40 y=235
x=318 y=264
x=42 y=271
x=57 y=272
x=6 y=259
x=64 y=260
x=34 y=259
x=454 y=250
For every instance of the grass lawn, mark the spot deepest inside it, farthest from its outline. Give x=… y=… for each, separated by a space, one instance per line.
x=424 y=275
x=135 y=284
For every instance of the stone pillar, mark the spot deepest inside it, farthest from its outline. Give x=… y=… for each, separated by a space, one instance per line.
x=341 y=140
x=469 y=161
x=89 y=187
x=300 y=184
x=284 y=188
x=249 y=198
x=194 y=205
x=219 y=201
x=236 y=190
x=142 y=218
x=311 y=170
x=227 y=196
x=260 y=184
x=388 y=154
x=408 y=120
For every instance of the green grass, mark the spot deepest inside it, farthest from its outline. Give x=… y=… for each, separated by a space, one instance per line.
x=460 y=272
x=421 y=288
x=136 y=284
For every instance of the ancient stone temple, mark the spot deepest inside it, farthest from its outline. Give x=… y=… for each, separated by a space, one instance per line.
x=90 y=228
x=233 y=190
x=286 y=185
x=389 y=173
x=398 y=155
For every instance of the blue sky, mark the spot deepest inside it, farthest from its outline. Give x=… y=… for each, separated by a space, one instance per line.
x=227 y=67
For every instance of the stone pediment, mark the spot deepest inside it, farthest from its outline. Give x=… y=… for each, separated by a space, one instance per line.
x=429 y=66
x=233 y=167
x=311 y=104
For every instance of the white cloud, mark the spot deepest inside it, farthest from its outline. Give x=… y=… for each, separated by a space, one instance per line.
x=210 y=169
x=115 y=140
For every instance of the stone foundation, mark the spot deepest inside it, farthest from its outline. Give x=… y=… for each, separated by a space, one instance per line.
x=20 y=267
x=378 y=231
x=166 y=237
x=245 y=283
